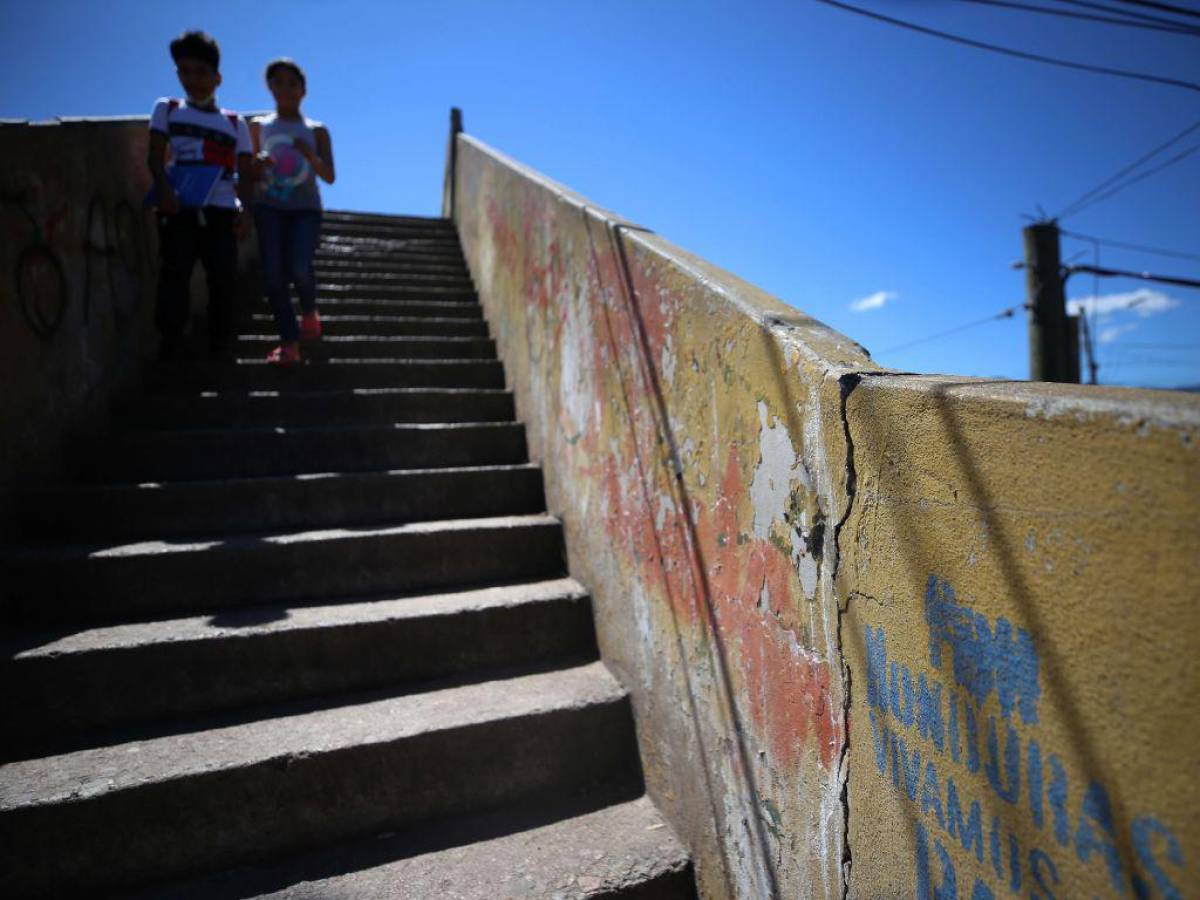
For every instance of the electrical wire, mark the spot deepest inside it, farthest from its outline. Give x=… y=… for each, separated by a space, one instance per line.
x=1108 y=182
x=1011 y=52
x=1145 y=345
x=1003 y=314
x=1008 y=51
x=1165 y=7
x=1109 y=20
x=1140 y=248
x=1141 y=176
x=1127 y=13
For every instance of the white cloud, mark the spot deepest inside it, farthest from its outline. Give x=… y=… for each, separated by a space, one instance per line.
x=876 y=300
x=1144 y=301
x=1108 y=335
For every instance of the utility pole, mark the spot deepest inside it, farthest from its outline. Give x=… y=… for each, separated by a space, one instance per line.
x=1050 y=332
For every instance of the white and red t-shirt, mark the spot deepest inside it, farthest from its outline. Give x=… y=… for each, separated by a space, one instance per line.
x=204 y=137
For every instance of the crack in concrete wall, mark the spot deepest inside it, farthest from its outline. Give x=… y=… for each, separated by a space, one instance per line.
x=720 y=443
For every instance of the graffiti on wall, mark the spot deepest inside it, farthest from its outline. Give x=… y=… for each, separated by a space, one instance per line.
x=39 y=279
x=112 y=248
x=113 y=243
x=960 y=745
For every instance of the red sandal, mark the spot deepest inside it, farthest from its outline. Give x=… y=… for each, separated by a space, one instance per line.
x=284 y=355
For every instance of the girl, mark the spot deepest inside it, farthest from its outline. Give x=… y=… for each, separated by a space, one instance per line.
x=292 y=152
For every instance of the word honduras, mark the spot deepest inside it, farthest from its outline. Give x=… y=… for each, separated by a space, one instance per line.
x=999 y=660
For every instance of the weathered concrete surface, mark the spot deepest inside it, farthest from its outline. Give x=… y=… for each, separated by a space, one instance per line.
x=134 y=673
x=711 y=451
x=1020 y=569
x=172 y=806
x=690 y=430
x=621 y=852
x=78 y=265
x=70 y=201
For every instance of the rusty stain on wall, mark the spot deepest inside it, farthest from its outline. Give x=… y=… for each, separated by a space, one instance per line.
x=687 y=442
x=752 y=501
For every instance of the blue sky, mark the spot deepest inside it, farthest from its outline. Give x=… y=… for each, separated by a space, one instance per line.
x=828 y=158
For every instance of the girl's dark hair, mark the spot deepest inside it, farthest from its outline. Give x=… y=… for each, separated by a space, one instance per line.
x=196 y=45
x=285 y=62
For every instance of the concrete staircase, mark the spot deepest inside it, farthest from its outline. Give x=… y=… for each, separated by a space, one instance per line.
x=309 y=632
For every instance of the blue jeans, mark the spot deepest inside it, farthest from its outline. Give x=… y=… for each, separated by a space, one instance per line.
x=287 y=240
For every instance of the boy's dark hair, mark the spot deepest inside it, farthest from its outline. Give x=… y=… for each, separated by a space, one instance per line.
x=196 y=45
x=285 y=62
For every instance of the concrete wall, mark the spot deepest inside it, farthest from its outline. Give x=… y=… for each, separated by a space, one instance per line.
x=1021 y=569
x=797 y=556
x=78 y=266
x=70 y=207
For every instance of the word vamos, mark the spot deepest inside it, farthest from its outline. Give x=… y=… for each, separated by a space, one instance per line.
x=981 y=784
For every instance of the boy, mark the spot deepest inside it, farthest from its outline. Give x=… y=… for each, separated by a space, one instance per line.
x=198 y=133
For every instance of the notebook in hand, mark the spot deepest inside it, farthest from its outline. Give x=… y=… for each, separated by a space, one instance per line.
x=193 y=184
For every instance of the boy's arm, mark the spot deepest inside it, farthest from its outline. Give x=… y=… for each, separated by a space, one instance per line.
x=245 y=192
x=245 y=166
x=245 y=182
x=156 y=159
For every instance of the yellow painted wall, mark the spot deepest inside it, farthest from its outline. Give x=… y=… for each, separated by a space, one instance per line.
x=754 y=504
x=1027 y=558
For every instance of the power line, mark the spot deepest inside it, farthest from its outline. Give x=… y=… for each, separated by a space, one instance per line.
x=1165 y=7
x=1140 y=276
x=1142 y=362
x=1141 y=248
x=1086 y=196
x=1003 y=314
x=1179 y=157
x=1141 y=17
x=1144 y=345
x=1109 y=20
x=1008 y=51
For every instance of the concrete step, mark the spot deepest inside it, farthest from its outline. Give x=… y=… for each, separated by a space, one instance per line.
x=128 y=814
x=381 y=242
x=178 y=509
x=620 y=851
x=266 y=409
x=377 y=218
x=365 y=346
x=335 y=266
x=374 y=306
x=257 y=375
x=167 y=579
x=144 y=455
x=349 y=230
x=430 y=293
x=374 y=256
x=402 y=251
x=411 y=326
x=58 y=691
x=448 y=279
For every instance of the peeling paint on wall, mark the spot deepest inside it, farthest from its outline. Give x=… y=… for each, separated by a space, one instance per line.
x=746 y=495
